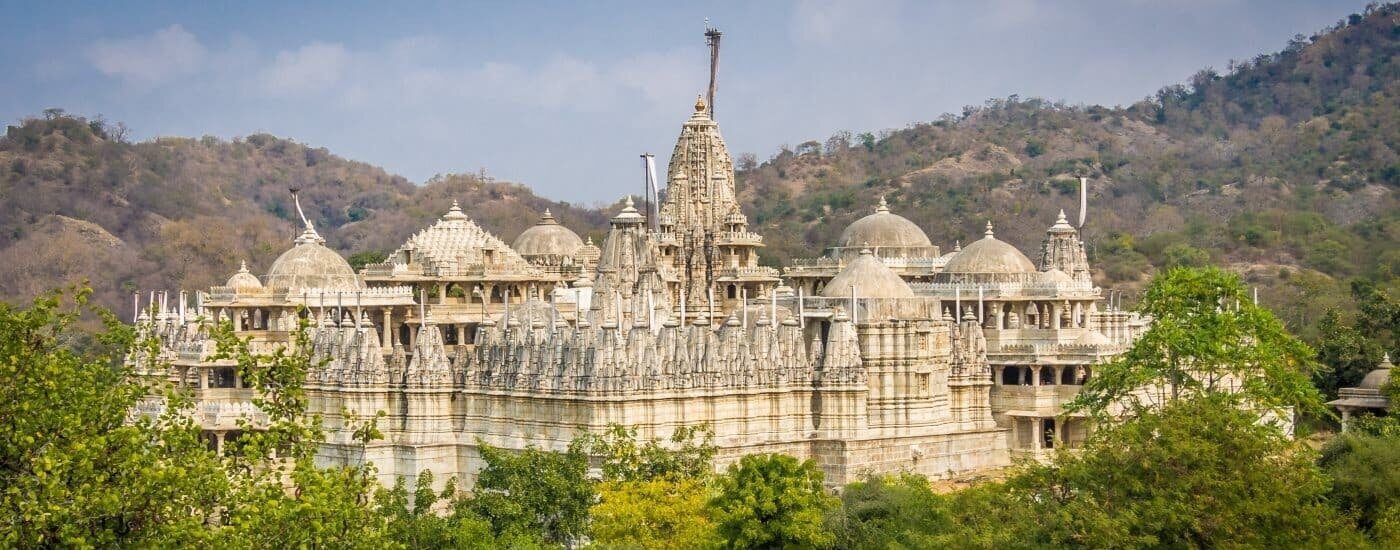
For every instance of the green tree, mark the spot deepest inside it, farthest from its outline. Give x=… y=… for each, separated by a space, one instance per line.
x=1365 y=472
x=772 y=501
x=532 y=492
x=886 y=511
x=74 y=472
x=414 y=522
x=1345 y=352
x=1207 y=337
x=361 y=259
x=687 y=454
x=1184 y=255
x=667 y=512
x=1198 y=472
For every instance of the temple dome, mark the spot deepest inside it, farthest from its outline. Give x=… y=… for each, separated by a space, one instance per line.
x=989 y=255
x=1378 y=378
x=243 y=279
x=310 y=264
x=870 y=278
x=1057 y=276
x=547 y=238
x=883 y=229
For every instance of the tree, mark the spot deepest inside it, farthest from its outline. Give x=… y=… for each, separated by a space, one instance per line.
x=772 y=501
x=886 y=511
x=414 y=523
x=687 y=456
x=1365 y=472
x=533 y=492
x=1198 y=472
x=73 y=470
x=667 y=512
x=1207 y=338
x=1345 y=352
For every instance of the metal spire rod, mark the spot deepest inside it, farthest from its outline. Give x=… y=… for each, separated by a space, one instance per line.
x=712 y=36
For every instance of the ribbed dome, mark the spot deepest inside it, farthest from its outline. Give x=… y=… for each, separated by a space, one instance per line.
x=547 y=238
x=243 y=279
x=883 y=229
x=870 y=278
x=310 y=264
x=989 y=255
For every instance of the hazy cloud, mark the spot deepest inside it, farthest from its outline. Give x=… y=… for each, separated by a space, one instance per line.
x=312 y=68
x=151 y=59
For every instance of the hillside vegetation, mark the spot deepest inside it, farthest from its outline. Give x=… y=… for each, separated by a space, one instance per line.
x=1283 y=167
x=80 y=203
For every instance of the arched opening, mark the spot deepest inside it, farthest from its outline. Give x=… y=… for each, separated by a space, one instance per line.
x=733 y=292
x=1047 y=376
x=1068 y=376
x=404 y=334
x=1011 y=376
x=1049 y=433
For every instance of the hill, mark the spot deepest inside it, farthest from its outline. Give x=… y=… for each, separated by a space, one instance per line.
x=81 y=203
x=1283 y=167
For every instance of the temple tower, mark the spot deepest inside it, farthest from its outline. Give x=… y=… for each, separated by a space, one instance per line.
x=704 y=237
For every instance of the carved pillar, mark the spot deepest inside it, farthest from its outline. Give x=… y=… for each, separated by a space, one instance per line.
x=387 y=329
x=203 y=377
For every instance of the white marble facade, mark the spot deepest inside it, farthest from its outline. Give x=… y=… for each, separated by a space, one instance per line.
x=881 y=356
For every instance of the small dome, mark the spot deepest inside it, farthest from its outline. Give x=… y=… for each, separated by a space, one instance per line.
x=547 y=238
x=870 y=278
x=883 y=229
x=629 y=213
x=310 y=264
x=1093 y=337
x=989 y=255
x=243 y=279
x=1378 y=378
x=1057 y=276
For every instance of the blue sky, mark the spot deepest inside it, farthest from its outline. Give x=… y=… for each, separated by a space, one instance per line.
x=563 y=97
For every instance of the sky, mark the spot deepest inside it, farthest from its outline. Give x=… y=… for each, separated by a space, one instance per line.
x=563 y=97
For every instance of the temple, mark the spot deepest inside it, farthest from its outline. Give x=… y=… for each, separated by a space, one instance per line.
x=881 y=355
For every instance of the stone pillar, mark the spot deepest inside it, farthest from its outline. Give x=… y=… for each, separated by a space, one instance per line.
x=1035 y=375
x=203 y=378
x=1037 y=434
x=461 y=334
x=1346 y=418
x=996 y=375
x=442 y=293
x=1055 y=316
x=388 y=329
x=219 y=443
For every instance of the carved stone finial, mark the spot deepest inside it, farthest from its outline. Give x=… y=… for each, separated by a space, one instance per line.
x=884 y=206
x=699 y=103
x=989 y=233
x=454 y=213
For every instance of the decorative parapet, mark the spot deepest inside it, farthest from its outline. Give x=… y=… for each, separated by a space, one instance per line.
x=1017 y=285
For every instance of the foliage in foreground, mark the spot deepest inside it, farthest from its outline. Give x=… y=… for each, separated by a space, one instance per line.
x=1200 y=470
